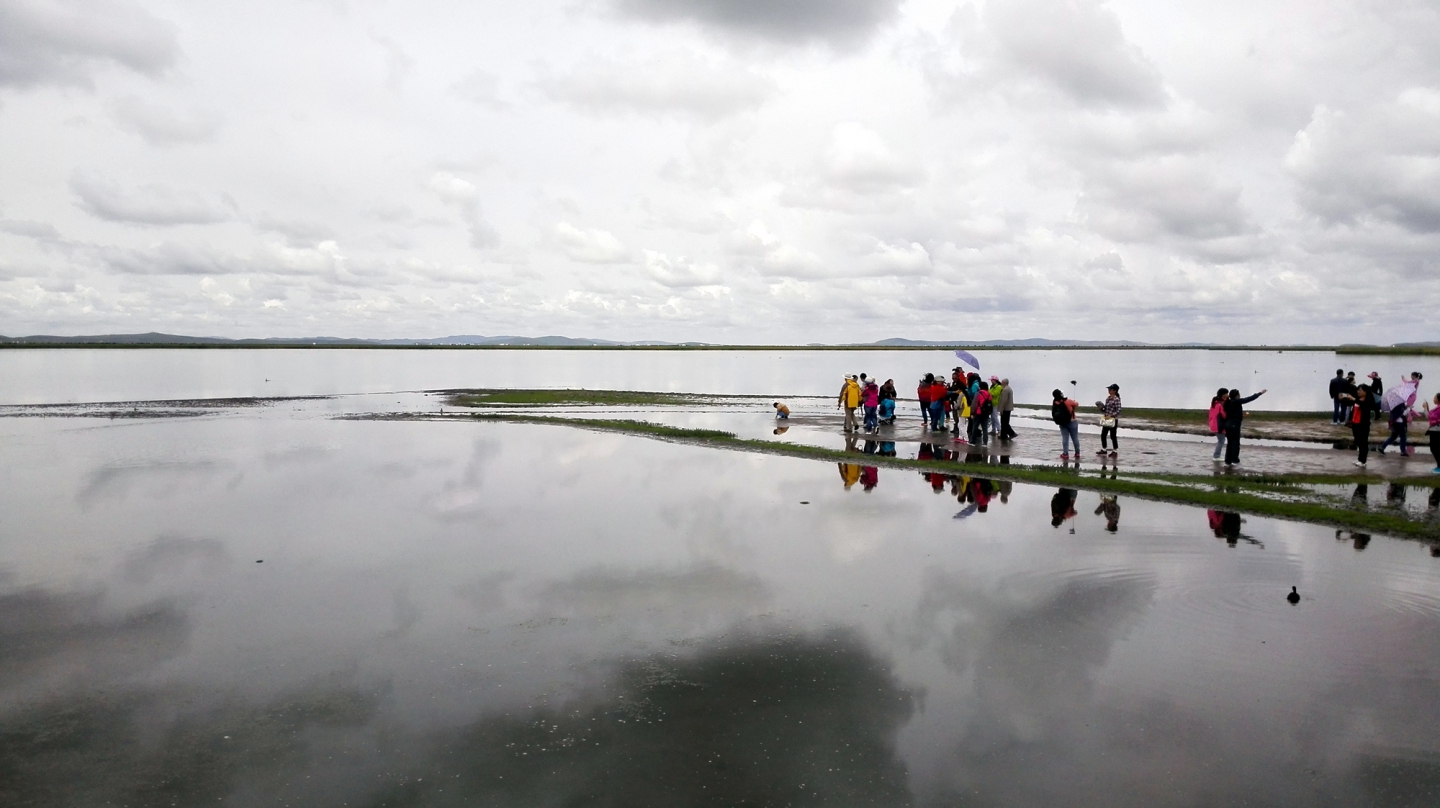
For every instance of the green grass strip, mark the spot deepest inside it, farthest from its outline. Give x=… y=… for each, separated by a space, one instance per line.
x=1164 y=488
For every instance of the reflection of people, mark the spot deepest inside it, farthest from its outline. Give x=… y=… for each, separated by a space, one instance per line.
x=781 y=430
x=782 y=412
x=1062 y=506
x=869 y=477
x=849 y=474
x=887 y=448
x=1110 y=506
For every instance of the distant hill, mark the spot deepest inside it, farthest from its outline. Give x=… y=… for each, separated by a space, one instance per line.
x=1033 y=342
x=154 y=338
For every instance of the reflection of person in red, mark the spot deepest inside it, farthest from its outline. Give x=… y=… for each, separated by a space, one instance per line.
x=869 y=477
x=937 y=482
x=980 y=492
x=1217 y=523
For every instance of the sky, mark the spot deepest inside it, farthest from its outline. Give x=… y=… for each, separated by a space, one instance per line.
x=740 y=171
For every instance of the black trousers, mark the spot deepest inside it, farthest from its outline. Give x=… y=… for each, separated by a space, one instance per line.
x=1006 y=433
x=1232 y=444
x=1361 y=432
x=1435 y=448
x=1113 y=433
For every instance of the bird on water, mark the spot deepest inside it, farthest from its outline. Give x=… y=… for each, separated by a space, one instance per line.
x=1294 y=596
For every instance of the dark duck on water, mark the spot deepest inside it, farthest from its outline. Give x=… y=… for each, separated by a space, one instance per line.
x=1294 y=596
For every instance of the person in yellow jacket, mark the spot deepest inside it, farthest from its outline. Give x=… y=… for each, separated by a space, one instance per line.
x=849 y=400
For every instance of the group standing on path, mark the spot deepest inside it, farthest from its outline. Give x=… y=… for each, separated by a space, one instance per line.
x=978 y=413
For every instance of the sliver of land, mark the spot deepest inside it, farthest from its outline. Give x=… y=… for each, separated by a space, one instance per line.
x=1310 y=497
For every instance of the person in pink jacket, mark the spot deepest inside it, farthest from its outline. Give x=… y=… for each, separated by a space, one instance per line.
x=870 y=398
x=1217 y=418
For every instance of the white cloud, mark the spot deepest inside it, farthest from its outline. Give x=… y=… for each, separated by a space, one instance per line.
x=590 y=246
x=679 y=272
x=1380 y=163
x=163 y=126
x=465 y=197
x=150 y=204
x=675 y=82
x=900 y=259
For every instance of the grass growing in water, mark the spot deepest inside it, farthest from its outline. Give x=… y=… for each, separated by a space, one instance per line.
x=1219 y=493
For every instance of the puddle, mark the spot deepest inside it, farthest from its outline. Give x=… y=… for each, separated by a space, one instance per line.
x=526 y=615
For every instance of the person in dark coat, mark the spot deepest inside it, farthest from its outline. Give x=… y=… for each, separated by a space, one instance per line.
x=1234 y=417
x=1377 y=390
x=1360 y=425
x=1337 y=386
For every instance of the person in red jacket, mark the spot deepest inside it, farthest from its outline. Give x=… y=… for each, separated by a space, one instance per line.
x=923 y=393
x=939 y=400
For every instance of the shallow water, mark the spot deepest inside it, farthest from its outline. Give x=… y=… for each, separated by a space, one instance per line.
x=1158 y=378
x=265 y=609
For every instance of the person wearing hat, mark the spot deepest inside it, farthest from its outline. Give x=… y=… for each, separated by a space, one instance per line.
x=849 y=400
x=1007 y=406
x=1110 y=421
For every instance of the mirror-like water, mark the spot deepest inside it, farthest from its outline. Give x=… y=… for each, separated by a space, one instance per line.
x=263 y=610
x=1158 y=378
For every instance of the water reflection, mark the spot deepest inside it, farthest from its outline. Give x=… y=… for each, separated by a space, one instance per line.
x=516 y=615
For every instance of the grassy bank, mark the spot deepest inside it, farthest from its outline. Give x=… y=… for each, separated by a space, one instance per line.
x=1242 y=493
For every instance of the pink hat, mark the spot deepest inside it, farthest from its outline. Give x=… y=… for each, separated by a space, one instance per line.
x=1374 y=375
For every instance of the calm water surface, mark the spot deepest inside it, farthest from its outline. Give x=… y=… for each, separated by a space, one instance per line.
x=265 y=609
x=1180 y=378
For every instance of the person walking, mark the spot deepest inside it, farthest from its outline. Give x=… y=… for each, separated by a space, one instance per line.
x=849 y=400
x=922 y=392
x=1399 y=403
x=1337 y=386
x=1007 y=406
x=870 y=398
x=1062 y=412
x=1110 y=420
x=1217 y=420
x=1234 y=418
x=1360 y=425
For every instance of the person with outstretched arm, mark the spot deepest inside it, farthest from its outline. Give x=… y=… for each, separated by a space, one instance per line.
x=1234 y=417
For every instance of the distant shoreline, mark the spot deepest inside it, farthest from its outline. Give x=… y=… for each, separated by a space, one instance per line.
x=297 y=346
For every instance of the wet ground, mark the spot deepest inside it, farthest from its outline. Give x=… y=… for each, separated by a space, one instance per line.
x=266 y=606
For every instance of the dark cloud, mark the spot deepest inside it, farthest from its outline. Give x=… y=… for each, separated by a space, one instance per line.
x=64 y=41
x=780 y=721
x=786 y=21
x=57 y=636
x=147 y=204
x=42 y=231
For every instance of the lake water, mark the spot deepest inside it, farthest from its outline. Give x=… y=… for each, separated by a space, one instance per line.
x=1161 y=378
x=265 y=609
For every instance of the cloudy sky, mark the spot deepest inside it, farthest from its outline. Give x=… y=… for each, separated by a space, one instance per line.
x=723 y=170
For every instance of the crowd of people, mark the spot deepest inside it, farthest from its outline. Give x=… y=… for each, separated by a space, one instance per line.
x=978 y=412
x=1358 y=406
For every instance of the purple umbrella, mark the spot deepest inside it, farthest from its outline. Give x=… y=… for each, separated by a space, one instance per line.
x=968 y=358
